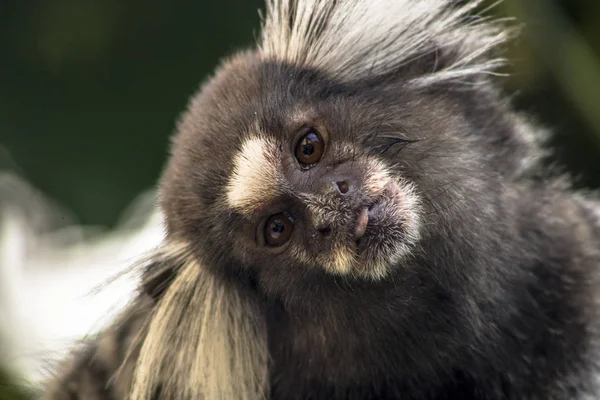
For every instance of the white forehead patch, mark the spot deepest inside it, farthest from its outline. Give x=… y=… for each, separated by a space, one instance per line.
x=256 y=178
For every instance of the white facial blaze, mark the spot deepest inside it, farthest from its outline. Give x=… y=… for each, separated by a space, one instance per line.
x=256 y=177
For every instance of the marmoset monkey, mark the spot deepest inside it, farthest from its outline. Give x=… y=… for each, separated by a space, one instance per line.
x=354 y=211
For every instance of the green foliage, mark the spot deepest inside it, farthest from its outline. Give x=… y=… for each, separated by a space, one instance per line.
x=8 y=389
x=90 y=91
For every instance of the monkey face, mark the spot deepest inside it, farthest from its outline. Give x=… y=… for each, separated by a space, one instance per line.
x=321 y=200
x=283 y=170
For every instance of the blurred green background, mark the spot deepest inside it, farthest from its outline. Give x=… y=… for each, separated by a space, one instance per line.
x=90 y=89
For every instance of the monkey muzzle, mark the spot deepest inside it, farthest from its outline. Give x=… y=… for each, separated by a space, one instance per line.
x=361 y=219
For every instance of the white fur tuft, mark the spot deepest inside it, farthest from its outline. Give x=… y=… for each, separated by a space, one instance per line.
x=220 y=335
x=357 y=39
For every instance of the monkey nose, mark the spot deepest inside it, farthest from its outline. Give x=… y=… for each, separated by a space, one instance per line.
x=325 y=230
x=361 y=223
x=342 y=187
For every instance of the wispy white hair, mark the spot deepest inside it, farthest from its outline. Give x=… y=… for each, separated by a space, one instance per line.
x=219 y=334
x=51 y=273
x=357 y=39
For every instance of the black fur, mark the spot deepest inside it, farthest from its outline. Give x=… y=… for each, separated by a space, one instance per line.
x=498 y=299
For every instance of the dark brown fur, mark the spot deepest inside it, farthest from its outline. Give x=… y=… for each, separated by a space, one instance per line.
x=499 y=299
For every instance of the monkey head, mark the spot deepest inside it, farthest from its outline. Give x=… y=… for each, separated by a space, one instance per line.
x=294 y=172
x=287 y=173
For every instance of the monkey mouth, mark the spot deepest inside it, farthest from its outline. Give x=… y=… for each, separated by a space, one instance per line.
x=367 y=217
x=366 y=214
x=381 y=234
x=386 y=222
x=361 y=223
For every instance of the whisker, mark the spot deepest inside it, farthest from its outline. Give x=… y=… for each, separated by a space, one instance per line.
x=393 y=140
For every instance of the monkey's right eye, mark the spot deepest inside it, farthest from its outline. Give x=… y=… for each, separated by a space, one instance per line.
x=278 y=229
x=310 y=148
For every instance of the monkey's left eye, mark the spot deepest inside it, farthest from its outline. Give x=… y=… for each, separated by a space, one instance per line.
x=310 y=148
x=278 y=229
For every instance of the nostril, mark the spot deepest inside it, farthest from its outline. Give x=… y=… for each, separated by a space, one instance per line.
x=325 y=231
x=342 y=187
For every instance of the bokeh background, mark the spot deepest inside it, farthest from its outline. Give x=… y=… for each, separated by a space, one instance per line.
x=90 y=89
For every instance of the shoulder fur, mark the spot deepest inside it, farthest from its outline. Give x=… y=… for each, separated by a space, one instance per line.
x=357 y=39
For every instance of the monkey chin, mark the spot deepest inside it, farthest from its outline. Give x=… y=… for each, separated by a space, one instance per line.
x=385 y=234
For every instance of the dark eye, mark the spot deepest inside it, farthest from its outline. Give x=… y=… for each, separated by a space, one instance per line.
x=309 y=149
x=278 y=229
